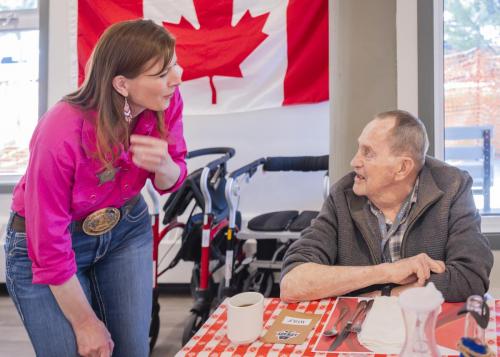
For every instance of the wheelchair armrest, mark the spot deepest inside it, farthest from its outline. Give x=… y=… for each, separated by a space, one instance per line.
x=210 y=151
x=249 y=169
x=296 y=163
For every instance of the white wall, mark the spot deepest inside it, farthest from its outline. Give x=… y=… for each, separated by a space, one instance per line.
x=297 y=130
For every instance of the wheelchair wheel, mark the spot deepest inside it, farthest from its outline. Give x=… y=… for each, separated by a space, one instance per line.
x=193 y=324
x=154 y=328
x=260 y=281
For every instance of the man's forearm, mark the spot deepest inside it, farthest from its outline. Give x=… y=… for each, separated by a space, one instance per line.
x=311 y=281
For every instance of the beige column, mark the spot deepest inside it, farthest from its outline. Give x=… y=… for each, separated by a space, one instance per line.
x=362 y=72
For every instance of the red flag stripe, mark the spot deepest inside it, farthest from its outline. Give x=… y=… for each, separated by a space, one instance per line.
x=306 y=78
x=94 y=17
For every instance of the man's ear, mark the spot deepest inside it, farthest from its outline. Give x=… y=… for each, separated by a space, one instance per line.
x=120 y=85
x=406 y=167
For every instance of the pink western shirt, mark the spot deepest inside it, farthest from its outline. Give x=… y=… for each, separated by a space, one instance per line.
x=61 y=183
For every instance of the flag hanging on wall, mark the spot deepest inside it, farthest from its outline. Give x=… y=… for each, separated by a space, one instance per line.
x=236 y=55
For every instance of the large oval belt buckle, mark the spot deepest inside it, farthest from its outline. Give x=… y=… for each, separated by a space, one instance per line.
x=101 y=221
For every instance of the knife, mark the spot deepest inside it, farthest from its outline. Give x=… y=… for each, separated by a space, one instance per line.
x=360 y=308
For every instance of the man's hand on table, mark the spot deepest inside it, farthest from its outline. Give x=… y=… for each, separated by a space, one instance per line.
x=409 y=273
x=416 y=269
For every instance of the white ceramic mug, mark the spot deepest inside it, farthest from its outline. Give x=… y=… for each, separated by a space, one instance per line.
x=245 y=314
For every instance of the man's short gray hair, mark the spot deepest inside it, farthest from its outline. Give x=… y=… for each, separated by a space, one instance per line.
x=408 y=135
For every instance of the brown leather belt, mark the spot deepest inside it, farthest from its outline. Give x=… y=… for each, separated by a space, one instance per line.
x=18 y=223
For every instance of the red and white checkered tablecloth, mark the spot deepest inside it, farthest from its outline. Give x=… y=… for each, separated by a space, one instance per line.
x=211 y=340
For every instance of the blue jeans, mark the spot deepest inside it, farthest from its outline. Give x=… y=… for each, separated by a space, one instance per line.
x=115 y=271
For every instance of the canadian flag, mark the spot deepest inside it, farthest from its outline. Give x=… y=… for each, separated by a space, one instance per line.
x=236 y=55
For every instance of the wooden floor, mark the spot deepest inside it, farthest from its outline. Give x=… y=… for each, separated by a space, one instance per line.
x=174 y=310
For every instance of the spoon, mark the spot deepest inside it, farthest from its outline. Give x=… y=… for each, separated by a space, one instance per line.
x=334 y=331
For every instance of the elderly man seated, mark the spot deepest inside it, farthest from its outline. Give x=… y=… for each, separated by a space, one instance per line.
x=400 y=220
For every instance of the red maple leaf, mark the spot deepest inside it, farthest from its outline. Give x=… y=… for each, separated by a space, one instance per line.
x=217 y=48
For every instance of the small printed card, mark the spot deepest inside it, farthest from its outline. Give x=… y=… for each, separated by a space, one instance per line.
x=291 y=327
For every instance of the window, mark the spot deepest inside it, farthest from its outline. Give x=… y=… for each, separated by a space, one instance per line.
x=19 y=84
x=472 y=95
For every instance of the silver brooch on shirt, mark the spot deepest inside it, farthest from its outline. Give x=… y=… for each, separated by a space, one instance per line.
x=107 y=175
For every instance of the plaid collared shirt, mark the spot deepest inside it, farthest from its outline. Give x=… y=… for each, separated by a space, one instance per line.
x=393 y=232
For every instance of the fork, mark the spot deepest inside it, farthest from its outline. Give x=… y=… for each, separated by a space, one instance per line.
x=358 y=324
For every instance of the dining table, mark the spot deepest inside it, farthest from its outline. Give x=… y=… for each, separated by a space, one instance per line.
x=211 y=339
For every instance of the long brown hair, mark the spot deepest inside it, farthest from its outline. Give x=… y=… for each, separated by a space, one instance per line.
x=124 y=49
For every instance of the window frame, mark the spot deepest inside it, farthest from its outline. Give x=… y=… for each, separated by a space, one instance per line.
x=29 y=20
x=490 y=223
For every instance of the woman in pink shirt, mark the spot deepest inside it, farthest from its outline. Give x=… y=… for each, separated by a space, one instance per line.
x=79 y=242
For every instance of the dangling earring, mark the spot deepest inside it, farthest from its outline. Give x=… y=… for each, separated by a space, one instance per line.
x=127 y=113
